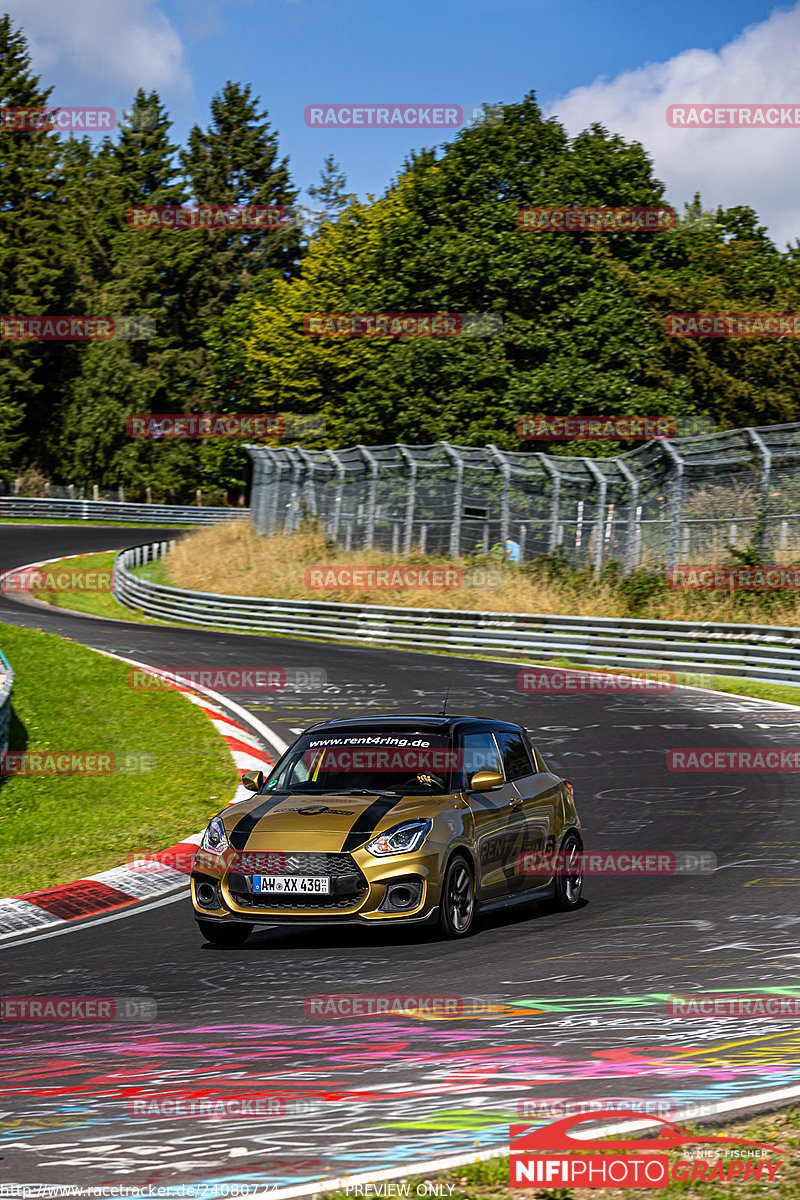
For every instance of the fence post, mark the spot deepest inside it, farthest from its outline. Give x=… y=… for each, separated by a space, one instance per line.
x=763 y=501
x=411 y=496
x=555 y=479
x=292 y=516
x=677 y=500
x=602 y=487
x=505 y=467
x=266 y=506
x=337 y=504
x=630 y=540
x=372 y=463
x=458 y=497
x=308 y=482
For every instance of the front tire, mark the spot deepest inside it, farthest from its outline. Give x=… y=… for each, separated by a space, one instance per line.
x=568 y=891
x=457 y=905
x=220 y=934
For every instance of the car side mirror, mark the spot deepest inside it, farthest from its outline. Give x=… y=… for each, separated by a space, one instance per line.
x=253 y=780
x=485 y=779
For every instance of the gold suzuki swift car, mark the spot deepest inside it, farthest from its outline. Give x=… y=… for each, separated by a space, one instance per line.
x=391 y=819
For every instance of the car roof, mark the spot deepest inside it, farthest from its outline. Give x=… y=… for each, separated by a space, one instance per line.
x=430 y=722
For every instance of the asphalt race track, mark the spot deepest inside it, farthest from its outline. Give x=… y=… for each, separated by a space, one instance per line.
x=566 y=1005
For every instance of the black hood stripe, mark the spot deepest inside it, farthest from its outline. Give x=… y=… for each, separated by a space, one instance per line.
x=241 y=834
x=365 y=824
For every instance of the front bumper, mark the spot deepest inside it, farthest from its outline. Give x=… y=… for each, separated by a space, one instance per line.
x=363 y=888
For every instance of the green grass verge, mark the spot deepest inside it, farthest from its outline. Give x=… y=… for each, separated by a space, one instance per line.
x=489 y=1180
x=60 y=827
x=104 y=605
x=97 y=604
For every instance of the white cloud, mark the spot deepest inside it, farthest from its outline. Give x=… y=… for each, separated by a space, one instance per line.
x=96 y=51
x=758 y=167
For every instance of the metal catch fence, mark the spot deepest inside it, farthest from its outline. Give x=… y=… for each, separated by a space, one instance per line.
x=666 y=503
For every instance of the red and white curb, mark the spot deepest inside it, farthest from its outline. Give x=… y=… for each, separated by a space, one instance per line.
x=153 y=875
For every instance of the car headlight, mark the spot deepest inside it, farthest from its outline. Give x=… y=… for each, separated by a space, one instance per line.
x=400 y=839
x=215 y=839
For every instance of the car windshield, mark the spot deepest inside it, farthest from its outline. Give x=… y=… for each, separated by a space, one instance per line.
x=407 y=761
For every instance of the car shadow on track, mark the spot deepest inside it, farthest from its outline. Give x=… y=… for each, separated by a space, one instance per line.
x=307 y=937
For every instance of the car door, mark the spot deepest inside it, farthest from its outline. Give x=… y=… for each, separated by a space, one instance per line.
x=539 y=792
x=498 y=815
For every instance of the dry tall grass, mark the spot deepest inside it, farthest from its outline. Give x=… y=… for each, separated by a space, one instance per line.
x=230 y=559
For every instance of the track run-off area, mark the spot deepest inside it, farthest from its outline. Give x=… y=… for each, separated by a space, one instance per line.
x=556 y=1005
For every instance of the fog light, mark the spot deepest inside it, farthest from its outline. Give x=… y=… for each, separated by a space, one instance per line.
x=401 y=895
x=207 y=895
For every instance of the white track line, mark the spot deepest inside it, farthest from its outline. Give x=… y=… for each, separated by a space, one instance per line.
x=435 y=1166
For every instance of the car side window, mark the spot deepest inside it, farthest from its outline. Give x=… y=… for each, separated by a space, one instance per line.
x=480 y=753
x=538 y=762
x=516 y=760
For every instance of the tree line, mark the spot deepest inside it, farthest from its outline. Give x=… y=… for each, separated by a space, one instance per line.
x=571 y=322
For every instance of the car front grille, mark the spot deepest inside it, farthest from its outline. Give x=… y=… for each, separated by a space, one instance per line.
x=348 y=885
x=297 y=903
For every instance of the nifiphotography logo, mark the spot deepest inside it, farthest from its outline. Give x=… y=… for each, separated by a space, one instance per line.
x=635 y=1162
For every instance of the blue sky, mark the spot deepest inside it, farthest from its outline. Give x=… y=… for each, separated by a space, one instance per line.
x=614 y=61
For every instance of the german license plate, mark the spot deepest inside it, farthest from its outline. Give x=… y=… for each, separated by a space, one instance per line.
x=301 y=885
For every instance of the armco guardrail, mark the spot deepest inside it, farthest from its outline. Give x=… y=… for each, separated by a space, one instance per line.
x=116 y=510
x=6 y=685
x=764 y=652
